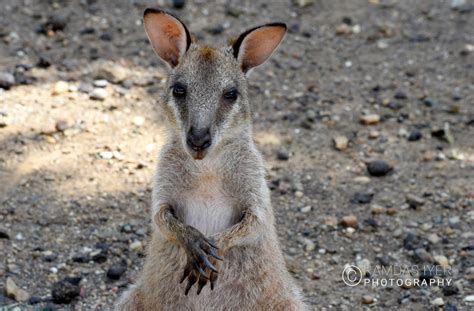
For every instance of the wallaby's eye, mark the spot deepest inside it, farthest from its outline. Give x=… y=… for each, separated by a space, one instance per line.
x=231 y=95
x=179 y=90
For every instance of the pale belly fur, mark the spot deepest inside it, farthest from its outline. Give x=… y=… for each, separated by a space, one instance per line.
x=207 y=208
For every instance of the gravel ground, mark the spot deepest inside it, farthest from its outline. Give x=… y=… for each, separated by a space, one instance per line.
x=365 y=117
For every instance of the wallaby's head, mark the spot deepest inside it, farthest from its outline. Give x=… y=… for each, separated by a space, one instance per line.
x=206 y=97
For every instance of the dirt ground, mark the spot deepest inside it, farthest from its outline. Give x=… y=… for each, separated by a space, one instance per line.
x=77 y=157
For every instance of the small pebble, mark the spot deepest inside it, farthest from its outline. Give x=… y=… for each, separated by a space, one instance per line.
x=349 y=221
x=469 y=298
x=179 y=4
x=114 y=73
x=429 y=155
x=61 y=125
x=309 y=245
x=430 y=102
x=370 y=119
x=373 y=134
x=356 y=29
x=98 y=94
x=15 y=292
x=116 y=271
x=304 y=3
x=306 y=209
x=438 y=302
x=450 y=290
x=379 y=168
x=7 y=80
x=60 y=87
x=454 y=221
x=138 y=120
x=340 y=142
x=106 y=154
x=367 y=299
x=362 y=180
x=4 y=235
x=343 y=29
x=101 y=83
x=377 y=209
x=64 y=292
x=330 y=221
x=414 y=201
x=136 y=246
x=362 y=197
x=350 y=230
x=400 y=95
x=441 y=260
x=402 y=132
x=414 y=135
x=382 y=44
x=283 y=155
x=35 y=300
x=433 y=238
x=456 y=4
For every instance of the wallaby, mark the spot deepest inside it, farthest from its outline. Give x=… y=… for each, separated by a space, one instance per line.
x=213 y=221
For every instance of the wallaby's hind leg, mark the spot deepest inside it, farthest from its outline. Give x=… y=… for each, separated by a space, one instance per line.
x=130 y=301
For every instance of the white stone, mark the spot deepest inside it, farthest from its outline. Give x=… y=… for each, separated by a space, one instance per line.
x=101 y=83
x=469 y=298
x=309 y=245
x=98 y=94
x=340 y=142
x=106 y=154
x=437 y=302
x=136 y=246
x=138 y=120
x=306 y=209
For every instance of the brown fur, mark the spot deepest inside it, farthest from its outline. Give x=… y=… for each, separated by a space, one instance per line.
x=208 y=53
x=223 y=196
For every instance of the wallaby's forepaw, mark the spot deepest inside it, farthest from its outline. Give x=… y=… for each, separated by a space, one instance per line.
x=202 y=257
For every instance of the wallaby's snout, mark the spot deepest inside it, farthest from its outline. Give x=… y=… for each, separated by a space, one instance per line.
x=199 y=139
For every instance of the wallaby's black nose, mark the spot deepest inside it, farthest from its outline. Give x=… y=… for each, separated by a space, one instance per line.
x=198 y=139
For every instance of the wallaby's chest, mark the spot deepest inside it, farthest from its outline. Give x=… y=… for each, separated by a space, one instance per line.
x=206 y=206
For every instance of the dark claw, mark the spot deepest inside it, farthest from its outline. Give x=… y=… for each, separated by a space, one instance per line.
x=212 y=243
x=207 y=263
x=202 y=254
x=187 y=270
x=214 y=254
x=191 y=280
x=201 y=271
x=213 y=280
x=201 y=284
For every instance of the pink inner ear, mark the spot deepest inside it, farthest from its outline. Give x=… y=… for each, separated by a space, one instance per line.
x=259 y=45
x=167 y=36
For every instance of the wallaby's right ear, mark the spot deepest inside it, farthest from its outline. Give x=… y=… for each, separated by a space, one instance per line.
x=168 y=35
x=256 y=45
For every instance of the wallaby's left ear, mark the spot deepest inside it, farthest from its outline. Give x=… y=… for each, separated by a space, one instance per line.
x=168 y=35
x=256 y=45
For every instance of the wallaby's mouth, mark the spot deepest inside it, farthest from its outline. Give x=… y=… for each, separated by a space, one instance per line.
x=198 y=154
